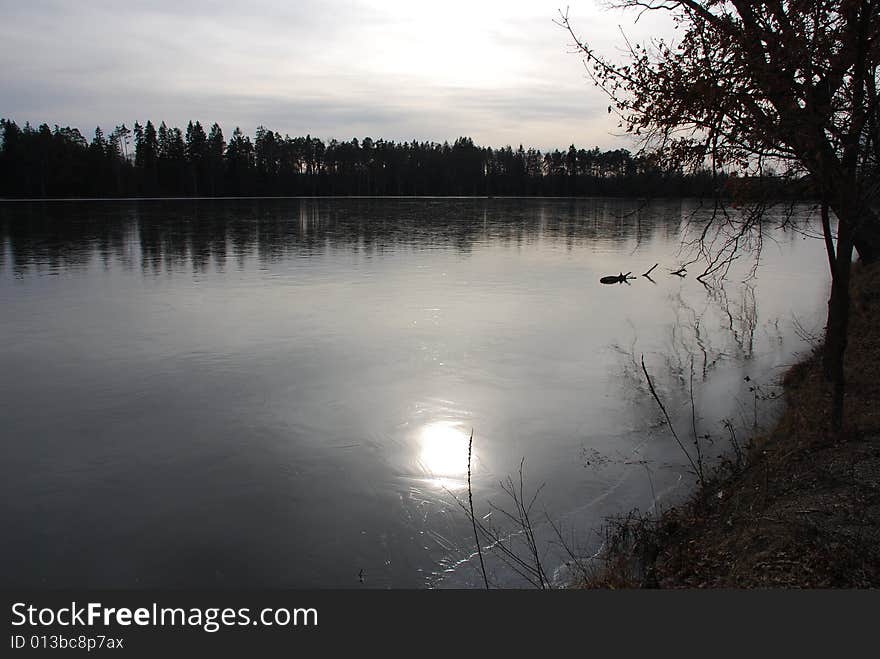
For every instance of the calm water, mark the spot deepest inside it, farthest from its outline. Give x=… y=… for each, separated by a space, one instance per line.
x=280 y=392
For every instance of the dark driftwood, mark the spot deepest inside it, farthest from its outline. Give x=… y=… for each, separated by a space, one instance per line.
x=616 y=279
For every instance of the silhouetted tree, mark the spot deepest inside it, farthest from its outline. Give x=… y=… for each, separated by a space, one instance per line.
x=214 y=160
x=11 y=157
x=196 y=158
x=99 y=170
x=172 y=159
x=239 y=163
x=746 y=84
x=146 y=158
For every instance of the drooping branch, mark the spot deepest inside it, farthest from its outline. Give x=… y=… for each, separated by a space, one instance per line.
x=746 y=82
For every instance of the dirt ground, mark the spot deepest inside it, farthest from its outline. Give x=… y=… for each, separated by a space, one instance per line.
x=804 y=511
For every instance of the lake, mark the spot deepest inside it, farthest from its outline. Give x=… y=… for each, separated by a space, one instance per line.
x=280 y=392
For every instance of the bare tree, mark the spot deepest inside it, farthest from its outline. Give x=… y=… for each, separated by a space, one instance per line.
x=750 y=85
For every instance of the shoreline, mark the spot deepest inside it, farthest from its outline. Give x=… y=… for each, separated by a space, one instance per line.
x=31 y=200
x=802 y=510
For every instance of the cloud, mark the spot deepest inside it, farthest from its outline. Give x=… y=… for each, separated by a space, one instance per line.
x=498 y=71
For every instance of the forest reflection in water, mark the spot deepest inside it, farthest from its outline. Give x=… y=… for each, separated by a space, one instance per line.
x=211 y=233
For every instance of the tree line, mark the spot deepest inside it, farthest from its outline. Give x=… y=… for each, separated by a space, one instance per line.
x=166 y=161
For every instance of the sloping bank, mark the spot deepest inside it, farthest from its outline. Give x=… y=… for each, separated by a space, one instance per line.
x=804 y=510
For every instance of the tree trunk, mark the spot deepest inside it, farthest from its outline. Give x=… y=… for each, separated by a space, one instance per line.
x=865 y=235
x=838 y=321
x=843 y=194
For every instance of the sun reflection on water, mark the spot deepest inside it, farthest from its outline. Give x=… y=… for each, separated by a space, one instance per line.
x=444 y=452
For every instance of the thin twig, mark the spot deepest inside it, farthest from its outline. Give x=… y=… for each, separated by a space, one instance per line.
x=694 y=424
x=473 y=519
x=669 y=421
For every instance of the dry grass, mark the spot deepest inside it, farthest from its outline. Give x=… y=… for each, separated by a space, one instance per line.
x=805 y=510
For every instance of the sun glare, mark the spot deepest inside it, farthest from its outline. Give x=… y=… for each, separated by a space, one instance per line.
x=444 y=449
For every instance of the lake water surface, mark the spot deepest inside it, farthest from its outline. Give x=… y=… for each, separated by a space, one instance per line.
x=280 y=392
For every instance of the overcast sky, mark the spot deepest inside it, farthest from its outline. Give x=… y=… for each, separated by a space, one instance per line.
x=498 y=71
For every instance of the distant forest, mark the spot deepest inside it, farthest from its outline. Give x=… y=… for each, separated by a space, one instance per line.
x=167 y=162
